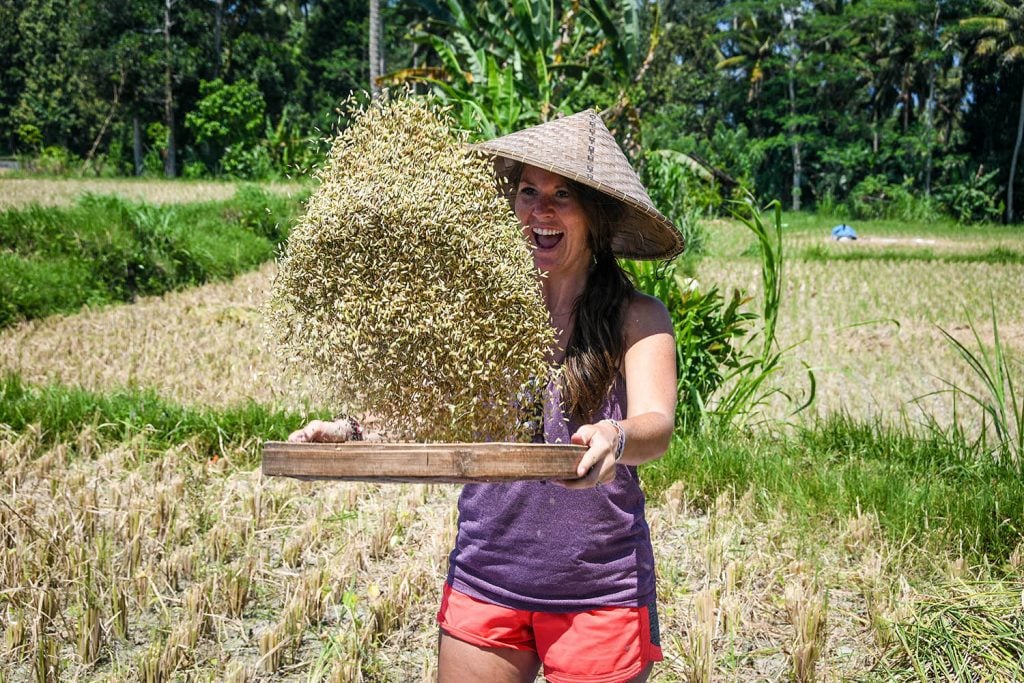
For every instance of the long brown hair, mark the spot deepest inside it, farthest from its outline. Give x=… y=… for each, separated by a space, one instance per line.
x=596 y=346
x=595 y=349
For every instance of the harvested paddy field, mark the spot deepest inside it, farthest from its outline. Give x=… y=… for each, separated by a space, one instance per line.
x=123 y=561
x=871 y=329
x=146 y=565
x=19 y=192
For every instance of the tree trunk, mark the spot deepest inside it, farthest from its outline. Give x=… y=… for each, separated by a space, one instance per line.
x=905 y=96
x=106 y=122
x=218 y=21
x=798 y=167
x=137 y=144
x=928 y=133
x=376 y=62
x=1013 y=161
x=170 y=160
x=928 y=112
x=874 y=124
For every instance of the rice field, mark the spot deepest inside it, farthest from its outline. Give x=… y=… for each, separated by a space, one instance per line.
x=178 y=568
x=18 y=192
x=871 y=330
x=118 y=563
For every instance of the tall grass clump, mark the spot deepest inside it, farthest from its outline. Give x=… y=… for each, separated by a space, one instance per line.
x=1001 y=436
x=107 y=249
x=407 y=290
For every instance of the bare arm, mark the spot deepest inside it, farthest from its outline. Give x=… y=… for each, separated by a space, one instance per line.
x=337 y=431
x=649 y=369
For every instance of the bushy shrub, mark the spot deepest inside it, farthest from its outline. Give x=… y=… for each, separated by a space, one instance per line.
x=724 y=354
x=877 y=197
x=34 y=287
x=264 y=213
x=972 y=197
x=706 y=327
x=682 y=195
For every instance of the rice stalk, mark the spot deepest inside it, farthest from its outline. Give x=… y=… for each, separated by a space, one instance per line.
x=807 y=607
x=699 y=649
x=971 y=631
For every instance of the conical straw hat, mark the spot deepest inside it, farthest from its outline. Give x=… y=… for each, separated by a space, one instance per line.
x=580 y=147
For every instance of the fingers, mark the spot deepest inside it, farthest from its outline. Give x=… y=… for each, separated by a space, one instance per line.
x=319 y=431
x=597 y=466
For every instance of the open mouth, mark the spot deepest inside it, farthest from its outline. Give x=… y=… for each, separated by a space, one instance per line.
x=546 y=238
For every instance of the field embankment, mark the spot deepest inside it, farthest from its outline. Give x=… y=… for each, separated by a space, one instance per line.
x=105 y=249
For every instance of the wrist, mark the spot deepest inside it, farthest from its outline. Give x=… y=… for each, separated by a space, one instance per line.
x=354 y=429
x=620 y=438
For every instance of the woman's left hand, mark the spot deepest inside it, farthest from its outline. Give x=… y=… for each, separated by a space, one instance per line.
x=597 y=466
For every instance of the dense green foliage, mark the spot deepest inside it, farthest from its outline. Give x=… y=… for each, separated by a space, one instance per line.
x=879 y=108
x=62 y=413
x=107 y=249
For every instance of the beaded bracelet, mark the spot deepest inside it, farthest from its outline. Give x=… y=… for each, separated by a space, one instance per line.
x=620 y=442
x=355 y=429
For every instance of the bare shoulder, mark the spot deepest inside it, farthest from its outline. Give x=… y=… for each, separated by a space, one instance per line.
x=645 y=316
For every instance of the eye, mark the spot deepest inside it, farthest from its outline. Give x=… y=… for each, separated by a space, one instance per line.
x=527 y=190
x=563 y=194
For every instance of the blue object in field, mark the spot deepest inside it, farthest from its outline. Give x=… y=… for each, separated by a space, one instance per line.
x=843 y=232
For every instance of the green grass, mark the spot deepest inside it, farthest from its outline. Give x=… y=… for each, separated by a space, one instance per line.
x=727 y=238
x=106 y=249
x=811 y=223
x=924 y=488
x=995 y=256
x=62 y=413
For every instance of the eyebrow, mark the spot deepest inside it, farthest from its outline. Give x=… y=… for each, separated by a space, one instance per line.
x=563 y=185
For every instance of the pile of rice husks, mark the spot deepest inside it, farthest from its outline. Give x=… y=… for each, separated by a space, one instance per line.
x=406 y=290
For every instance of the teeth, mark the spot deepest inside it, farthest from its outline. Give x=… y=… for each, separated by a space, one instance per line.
x=546 y=231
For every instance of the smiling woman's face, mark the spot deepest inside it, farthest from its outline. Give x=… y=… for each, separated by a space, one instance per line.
x=553 y=220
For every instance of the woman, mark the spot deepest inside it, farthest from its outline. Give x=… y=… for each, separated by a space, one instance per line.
x=561 y=574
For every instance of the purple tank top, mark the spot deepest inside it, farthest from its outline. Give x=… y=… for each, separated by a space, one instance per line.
x=541 y=547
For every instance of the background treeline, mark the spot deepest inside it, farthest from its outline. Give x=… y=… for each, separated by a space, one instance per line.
x=872 y=108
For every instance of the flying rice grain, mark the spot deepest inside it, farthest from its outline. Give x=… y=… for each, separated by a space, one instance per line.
x=406 y=291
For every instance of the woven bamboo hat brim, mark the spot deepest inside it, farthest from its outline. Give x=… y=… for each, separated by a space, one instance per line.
x=581 y=148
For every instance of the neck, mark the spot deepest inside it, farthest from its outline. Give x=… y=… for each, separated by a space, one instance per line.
x=560 y=295
x=561 y=289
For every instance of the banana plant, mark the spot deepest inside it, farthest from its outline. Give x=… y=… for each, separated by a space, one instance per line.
x=506 y=65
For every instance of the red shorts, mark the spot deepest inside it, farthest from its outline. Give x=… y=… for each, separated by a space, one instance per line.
x=605 y=645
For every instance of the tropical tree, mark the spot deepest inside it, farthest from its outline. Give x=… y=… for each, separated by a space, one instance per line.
x=506 y=65
x=746 y=47
x=1000 y=34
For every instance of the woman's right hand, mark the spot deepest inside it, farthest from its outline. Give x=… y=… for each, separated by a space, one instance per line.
x=338 y=431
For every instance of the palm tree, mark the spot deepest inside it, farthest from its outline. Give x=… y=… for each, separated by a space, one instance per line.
x=1001 y=34
x=749 y=45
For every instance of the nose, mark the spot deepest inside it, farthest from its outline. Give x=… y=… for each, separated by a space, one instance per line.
x=544 y=205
